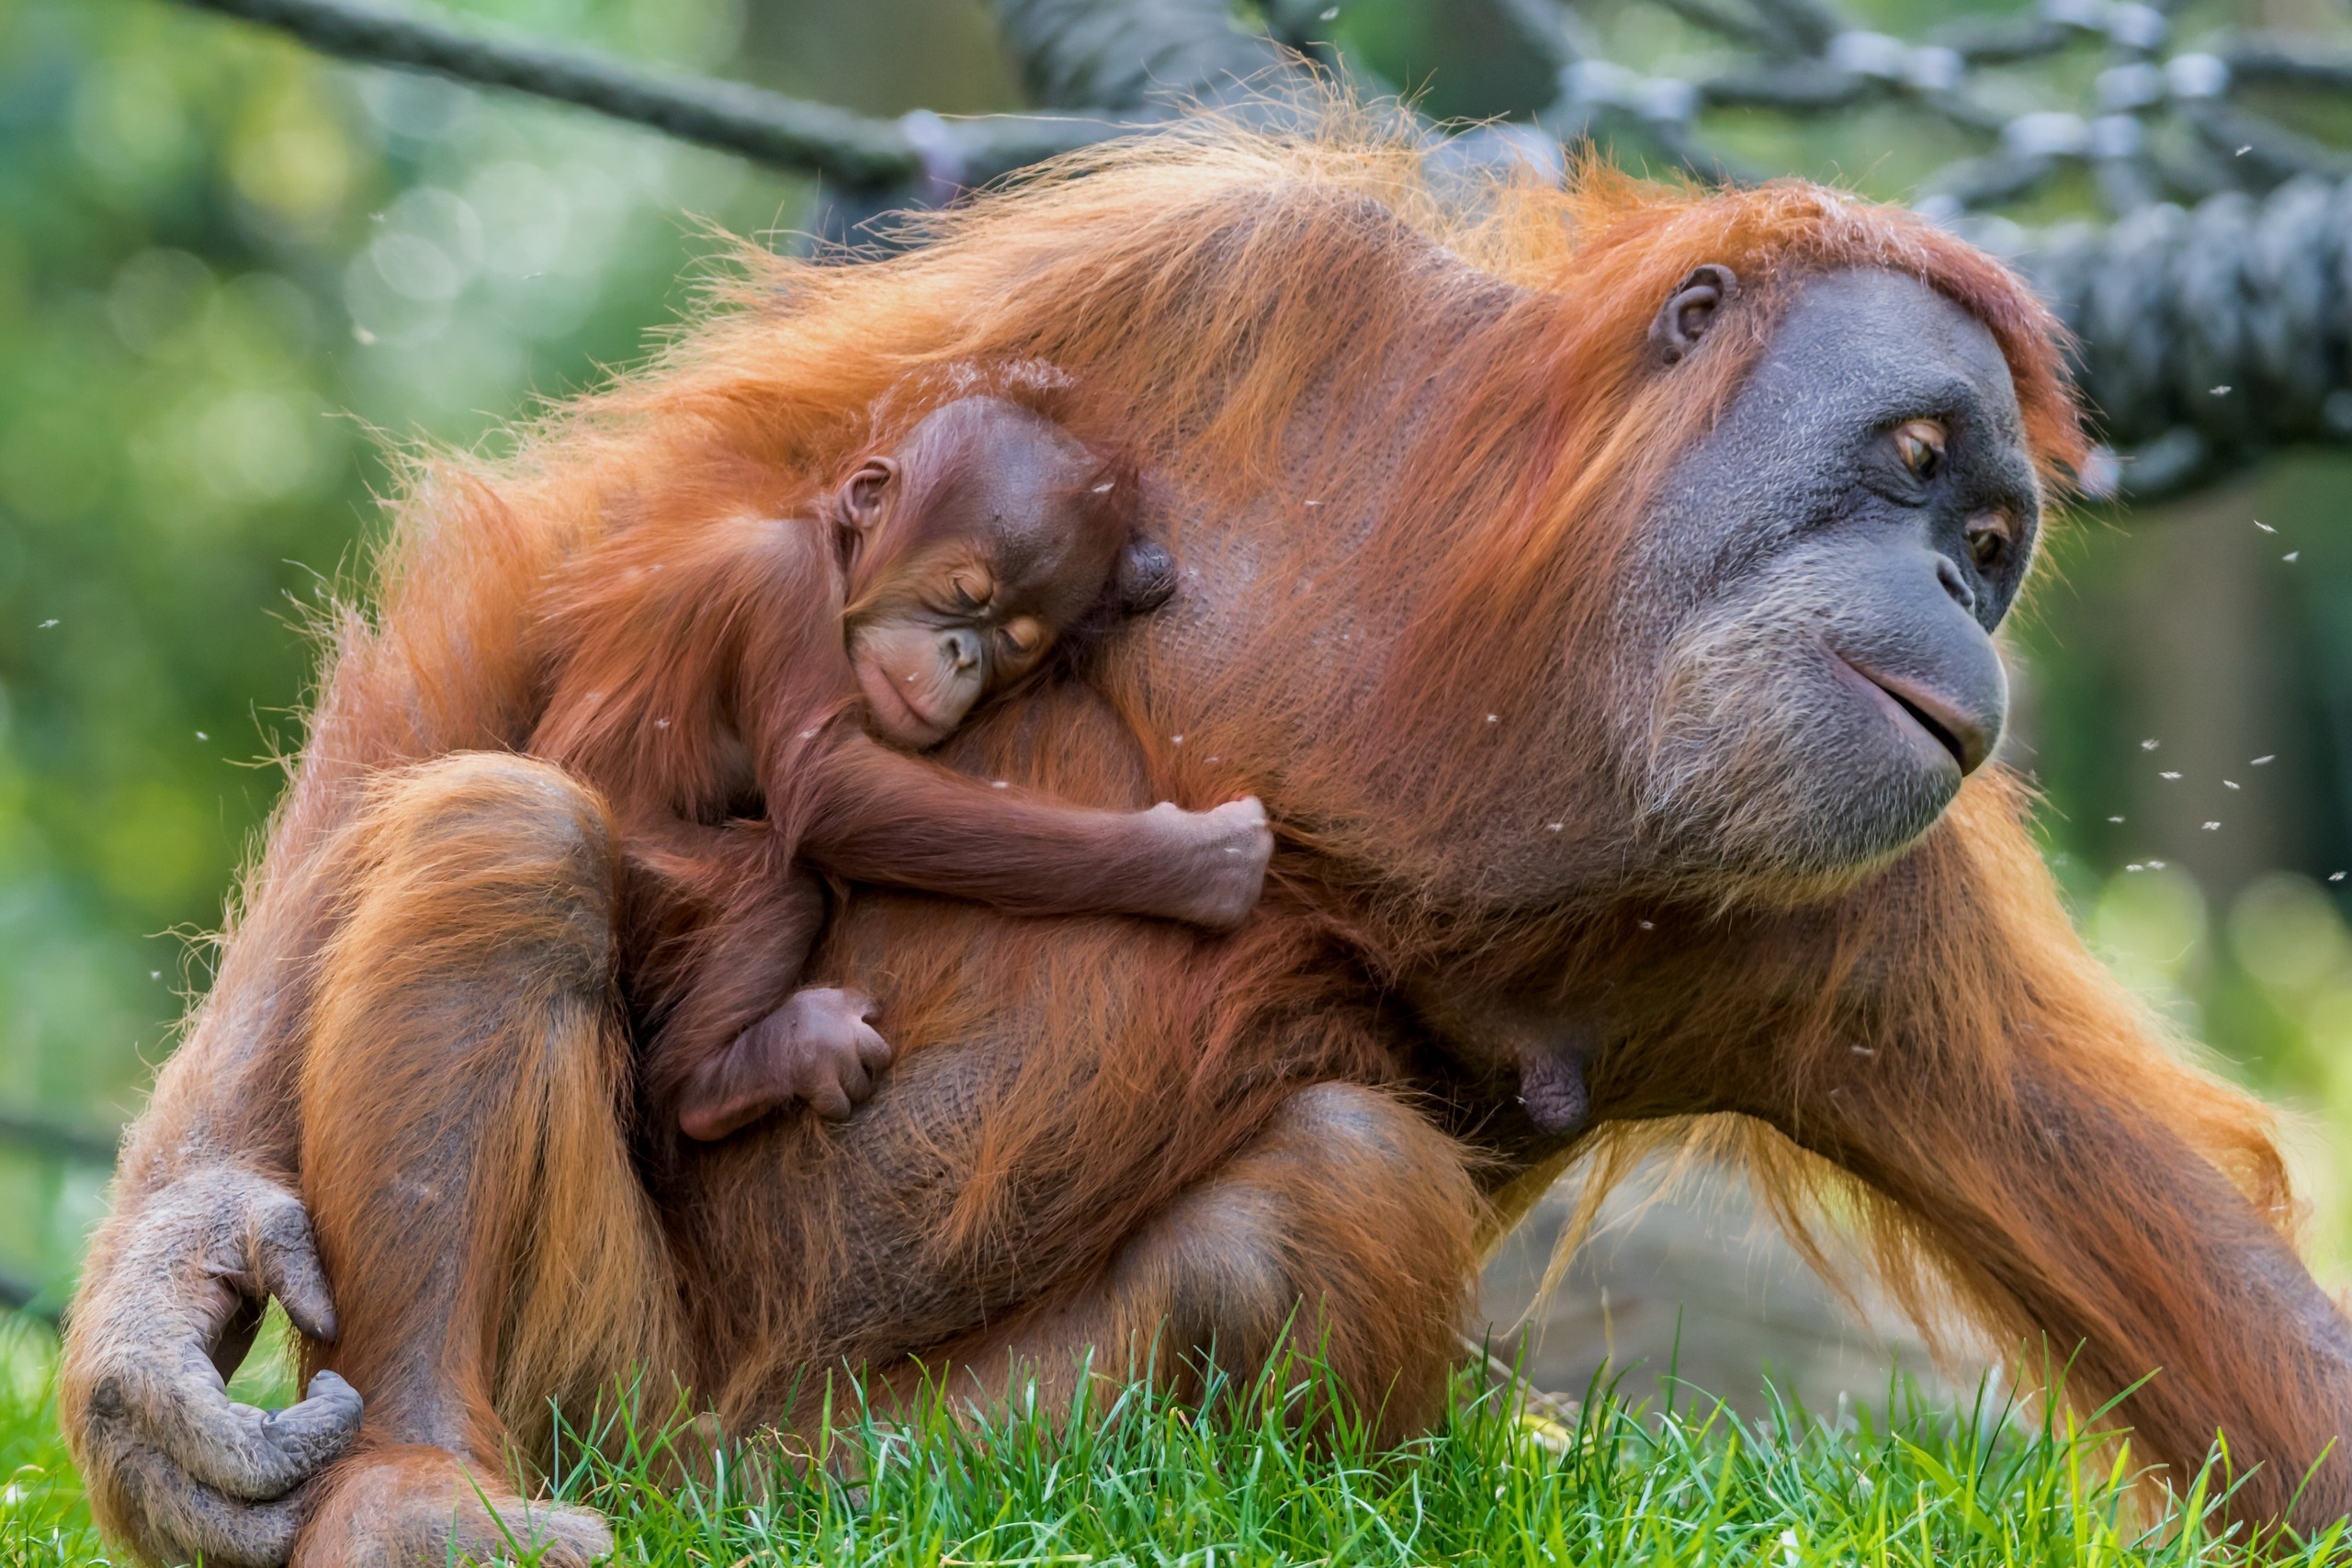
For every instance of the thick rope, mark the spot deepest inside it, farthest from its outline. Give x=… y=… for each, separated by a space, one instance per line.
x=2205 y=335
x=1136 y=57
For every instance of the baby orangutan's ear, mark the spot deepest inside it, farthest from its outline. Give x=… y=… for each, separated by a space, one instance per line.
x=1144 y=578
x=866 y=494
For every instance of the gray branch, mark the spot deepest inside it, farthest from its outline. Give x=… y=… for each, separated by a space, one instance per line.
x=853 y=150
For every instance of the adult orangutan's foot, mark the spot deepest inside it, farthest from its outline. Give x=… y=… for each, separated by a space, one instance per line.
x=411 y=1507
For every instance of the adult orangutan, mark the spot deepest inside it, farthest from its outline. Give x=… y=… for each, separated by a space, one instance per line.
x=1597 y=588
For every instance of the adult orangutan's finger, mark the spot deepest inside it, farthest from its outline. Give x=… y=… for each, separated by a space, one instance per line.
x=317 y=1428
x=187 y=1521
x=238 y=1449
x=286 y=1260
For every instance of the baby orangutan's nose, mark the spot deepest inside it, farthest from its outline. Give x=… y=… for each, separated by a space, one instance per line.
x=963 y=650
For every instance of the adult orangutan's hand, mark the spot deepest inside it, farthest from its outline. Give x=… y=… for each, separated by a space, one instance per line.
x=171 y=1460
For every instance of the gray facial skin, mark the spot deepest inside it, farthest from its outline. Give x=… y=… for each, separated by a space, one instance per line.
x=1813 y=623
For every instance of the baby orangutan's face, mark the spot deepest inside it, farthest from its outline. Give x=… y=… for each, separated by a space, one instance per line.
x=948 y=634
x=977 y=541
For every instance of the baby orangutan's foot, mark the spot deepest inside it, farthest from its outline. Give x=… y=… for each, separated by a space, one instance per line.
x=816 y=1047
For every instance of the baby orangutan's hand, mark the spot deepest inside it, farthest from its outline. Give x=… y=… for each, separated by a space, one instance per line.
x=816 y=1047
x=1215 y=864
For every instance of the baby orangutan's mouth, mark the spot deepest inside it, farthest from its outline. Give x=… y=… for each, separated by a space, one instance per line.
x=895 y=708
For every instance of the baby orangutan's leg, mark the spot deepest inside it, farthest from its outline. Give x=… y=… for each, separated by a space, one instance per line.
x=463 y=1104
x=1344 y=1232
x=735 y=1039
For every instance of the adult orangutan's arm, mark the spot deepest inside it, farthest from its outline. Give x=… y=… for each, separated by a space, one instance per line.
x=1942 y=1035
x=205 y=1226
x=2079 y=1208
x=205 y=1229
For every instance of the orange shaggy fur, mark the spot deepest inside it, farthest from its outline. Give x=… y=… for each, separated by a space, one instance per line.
x=1305 y=335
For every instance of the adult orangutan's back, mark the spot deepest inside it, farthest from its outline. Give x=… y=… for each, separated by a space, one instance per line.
x=1597 y=588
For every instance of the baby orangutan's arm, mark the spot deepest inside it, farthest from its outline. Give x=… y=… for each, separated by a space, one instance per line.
x=739 y=1041
x=878 y=815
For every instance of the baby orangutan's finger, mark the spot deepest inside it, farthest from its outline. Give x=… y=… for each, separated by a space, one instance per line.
x=827 y=1100
x=851 y=1074
x=873 y=1051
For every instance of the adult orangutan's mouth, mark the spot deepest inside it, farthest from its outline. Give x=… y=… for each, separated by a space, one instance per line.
x=1915 y=708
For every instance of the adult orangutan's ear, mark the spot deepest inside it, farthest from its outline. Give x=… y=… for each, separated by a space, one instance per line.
x=866 y=494
x=1690 y=310
x=1144 y=578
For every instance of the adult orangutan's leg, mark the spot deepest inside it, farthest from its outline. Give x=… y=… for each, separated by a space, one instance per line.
x=465 y=1161
x=1345 y=1230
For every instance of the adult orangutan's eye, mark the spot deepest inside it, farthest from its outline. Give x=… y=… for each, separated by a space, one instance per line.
x=1920 y=444
x=1988 y=538
x=1025 y=635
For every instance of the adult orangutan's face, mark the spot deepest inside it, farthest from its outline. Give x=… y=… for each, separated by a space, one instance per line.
x=1820 y=580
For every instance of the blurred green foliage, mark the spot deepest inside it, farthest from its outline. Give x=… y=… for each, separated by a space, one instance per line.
x=231 y=273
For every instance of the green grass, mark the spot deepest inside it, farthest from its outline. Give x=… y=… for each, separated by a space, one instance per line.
x=42 y=1517
x=1144 y=1480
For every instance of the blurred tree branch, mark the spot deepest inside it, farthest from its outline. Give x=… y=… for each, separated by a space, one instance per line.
x=56 y=1139
x=854 y=150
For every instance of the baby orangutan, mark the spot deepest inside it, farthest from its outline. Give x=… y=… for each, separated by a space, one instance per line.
x=750 y=695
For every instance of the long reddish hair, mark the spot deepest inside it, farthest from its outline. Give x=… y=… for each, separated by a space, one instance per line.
x=1504 y=429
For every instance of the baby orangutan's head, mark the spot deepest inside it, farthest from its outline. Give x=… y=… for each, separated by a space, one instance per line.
x=980 y=540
